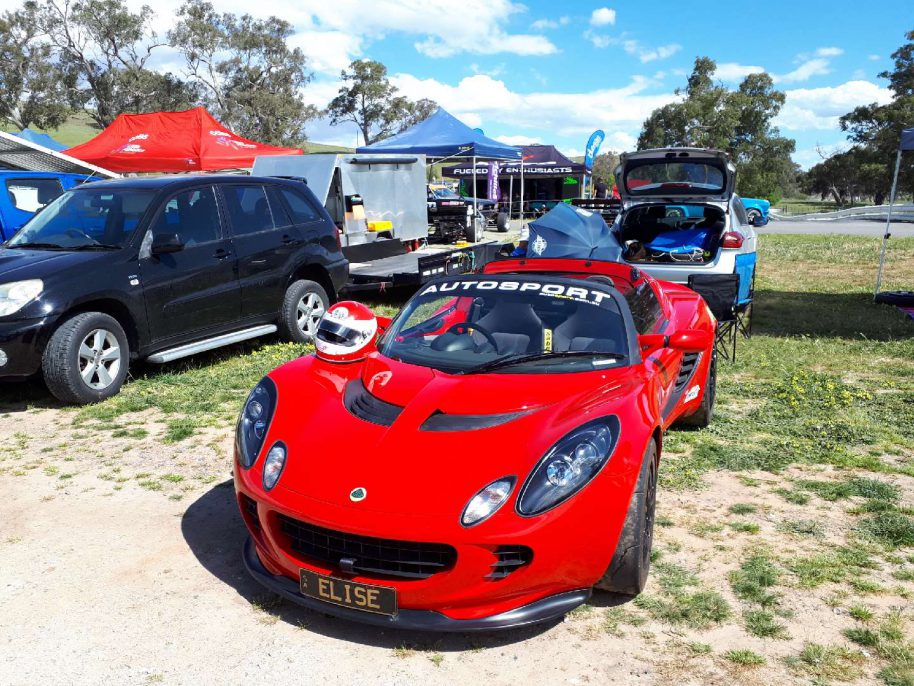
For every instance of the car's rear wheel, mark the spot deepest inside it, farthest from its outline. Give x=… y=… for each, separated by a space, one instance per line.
x=627 y=573
x=302 y=308
x=705 y=412
x=86 y=359
x=502 y=222
x=753 y=215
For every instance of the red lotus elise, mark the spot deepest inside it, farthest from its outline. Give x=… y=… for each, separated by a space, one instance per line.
x=481 y=461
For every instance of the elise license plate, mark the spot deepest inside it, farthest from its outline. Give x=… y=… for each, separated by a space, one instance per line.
x=378 y=599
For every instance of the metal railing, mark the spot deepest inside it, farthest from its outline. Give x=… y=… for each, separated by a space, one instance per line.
x=900 y=212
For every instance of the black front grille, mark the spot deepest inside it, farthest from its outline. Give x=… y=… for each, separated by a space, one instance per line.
x=365 y=406
x=689 y=361
x=356 y=554
x=509 y=558
x=250 y=507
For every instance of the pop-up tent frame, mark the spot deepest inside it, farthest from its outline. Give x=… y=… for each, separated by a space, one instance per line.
x=442 y=136
x=906 y=143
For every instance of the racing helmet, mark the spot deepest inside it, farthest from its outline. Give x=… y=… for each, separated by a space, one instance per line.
x=345 y=332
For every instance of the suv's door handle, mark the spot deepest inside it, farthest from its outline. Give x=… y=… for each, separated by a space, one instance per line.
x=288 y=240
x=221 y=254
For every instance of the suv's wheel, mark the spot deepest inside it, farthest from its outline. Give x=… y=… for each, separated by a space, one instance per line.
x=302 y=308
x=86 y=359
x=627 y=573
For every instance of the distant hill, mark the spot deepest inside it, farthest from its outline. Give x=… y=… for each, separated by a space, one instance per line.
x=79 y=128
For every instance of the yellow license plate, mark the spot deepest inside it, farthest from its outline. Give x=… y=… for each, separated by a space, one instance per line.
x=378 y=599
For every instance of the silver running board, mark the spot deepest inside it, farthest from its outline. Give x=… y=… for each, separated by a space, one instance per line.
x=210 y=343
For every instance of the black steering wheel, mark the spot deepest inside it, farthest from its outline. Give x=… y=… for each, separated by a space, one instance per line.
x=463 y=328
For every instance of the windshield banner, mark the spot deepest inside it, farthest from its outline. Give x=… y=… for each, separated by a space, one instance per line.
x=593 y=148
x=553 y=290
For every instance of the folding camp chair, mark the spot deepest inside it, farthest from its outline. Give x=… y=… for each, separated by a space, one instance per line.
x=721 y=293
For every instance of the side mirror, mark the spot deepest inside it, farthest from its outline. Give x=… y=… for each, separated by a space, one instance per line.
x=165 y=243
x=691 y=340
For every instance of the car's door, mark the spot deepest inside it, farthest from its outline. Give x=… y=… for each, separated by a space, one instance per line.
x=195 y=288
x=265 y=240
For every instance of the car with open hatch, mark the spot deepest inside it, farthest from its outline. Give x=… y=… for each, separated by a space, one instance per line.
x=484 y=459
x=681 y=216
x=156 y=269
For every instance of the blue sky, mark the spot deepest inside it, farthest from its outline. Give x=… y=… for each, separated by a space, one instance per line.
x=552 y=72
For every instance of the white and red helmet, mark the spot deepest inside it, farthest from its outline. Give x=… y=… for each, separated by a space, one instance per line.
x=345 y=332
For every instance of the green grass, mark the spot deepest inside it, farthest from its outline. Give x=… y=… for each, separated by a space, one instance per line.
x=744 y=658
x=825 y=662
x=755 y=578
x=892 y=529
x=763 y=624
x=742 y=508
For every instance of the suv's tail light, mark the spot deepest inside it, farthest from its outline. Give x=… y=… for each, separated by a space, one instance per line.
x=733 y=239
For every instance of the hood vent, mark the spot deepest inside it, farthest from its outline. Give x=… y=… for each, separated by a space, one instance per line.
x=367 y=407
x=440 y=421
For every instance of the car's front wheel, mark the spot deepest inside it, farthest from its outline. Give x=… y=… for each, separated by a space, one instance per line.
x=627 y=573
x=86 y=359
x=753 y=215
x=302 y=308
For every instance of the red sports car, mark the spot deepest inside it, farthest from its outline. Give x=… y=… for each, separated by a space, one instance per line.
x=481 y=461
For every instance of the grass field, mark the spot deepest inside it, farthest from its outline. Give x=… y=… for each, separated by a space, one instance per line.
x=785 y=542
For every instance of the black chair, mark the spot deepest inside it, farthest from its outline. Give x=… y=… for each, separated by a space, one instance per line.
x=721 y=293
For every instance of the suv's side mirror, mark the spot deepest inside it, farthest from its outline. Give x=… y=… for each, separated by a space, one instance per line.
x=165 y=243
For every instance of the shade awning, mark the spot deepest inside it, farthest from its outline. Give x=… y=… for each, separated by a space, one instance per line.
x=192 y=140
x=19 y=153
x=443 y=135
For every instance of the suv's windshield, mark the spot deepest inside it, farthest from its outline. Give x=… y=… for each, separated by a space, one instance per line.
x=674 y=178
x=444 y=193
x=522 y=324
x=85 y=218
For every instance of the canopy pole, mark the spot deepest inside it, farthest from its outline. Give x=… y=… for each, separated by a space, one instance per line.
x=510 y=198
x=475 y=193
x=888 y=221
x=522 y=192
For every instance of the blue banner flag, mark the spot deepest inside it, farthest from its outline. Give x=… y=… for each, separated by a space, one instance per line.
x=593 y=147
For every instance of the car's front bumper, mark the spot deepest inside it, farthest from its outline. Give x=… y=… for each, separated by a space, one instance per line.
x=542 y=610
x=22 y=343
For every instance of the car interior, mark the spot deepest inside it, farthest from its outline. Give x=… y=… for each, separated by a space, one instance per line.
x=672 y=233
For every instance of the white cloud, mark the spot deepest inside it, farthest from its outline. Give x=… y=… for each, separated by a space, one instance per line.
x=808 y=69
x=820 y=108
x=519 y=140
x=633 y=47
x=731 y=71
x=328 y=52
x=829 y=52
x=619 y=141
x=562 y=114
x=808 y=157
x=599 y=40
x=543 y=24
x=603 y=16
x=874 y=58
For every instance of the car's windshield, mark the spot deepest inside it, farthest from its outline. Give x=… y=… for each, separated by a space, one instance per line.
x=85 y=218
x=520 y=324
x=445 y=193
x=674 y=178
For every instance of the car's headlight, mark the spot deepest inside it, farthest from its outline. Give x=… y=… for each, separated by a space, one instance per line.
x=14 y=296
x=273 y=465
x=485 y=503
x=568 y=466
x=255 y=421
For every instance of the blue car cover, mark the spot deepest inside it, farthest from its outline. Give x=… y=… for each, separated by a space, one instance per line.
x=683 y=242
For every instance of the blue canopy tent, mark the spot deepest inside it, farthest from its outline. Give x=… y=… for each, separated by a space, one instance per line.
x=41 y=139
x=906 y=143
x=443 y=136
x=573 y=232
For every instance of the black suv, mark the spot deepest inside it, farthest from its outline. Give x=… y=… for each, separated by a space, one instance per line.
x=158 y=269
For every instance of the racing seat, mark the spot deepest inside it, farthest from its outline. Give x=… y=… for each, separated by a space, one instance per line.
x=516 y=328
x=721 y=293
x=583 y=332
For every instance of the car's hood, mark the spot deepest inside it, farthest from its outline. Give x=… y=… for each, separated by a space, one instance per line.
x=20 y=264
x=627 y=174
x=404 y=466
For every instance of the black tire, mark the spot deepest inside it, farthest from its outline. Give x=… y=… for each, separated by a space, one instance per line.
x=502 y=222
x=627 y=573
x=897 y=298
x=301 y=311
x=705 y=412
x=474 y=230
x=77 y=378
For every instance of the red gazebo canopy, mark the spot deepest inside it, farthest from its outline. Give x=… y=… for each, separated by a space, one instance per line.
x=172 y=142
